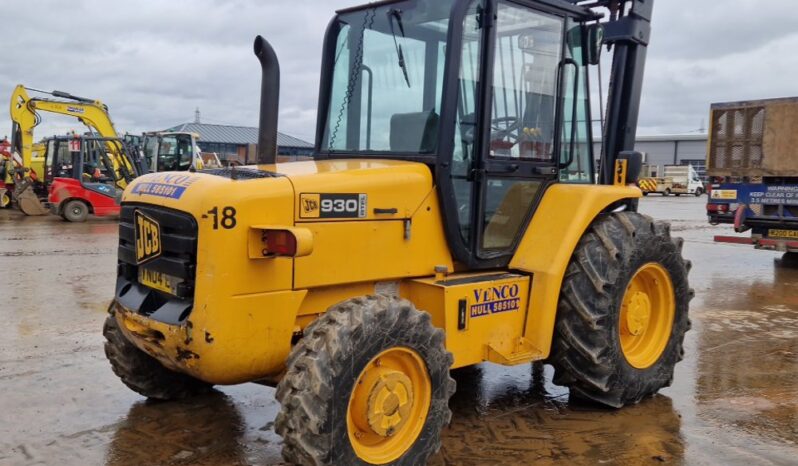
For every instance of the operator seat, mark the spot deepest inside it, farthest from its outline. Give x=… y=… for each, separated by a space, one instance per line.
x=504 y=224
x=414 y=132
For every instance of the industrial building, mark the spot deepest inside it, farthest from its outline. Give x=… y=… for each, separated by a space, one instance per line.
x=684 y=149
x=239 y=143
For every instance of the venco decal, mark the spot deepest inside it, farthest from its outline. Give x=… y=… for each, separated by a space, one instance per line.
x=164 y=185
x=495 y=299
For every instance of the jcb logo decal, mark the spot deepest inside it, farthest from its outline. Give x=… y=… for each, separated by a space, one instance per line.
x=309 y=205
x=332 y=205
x=148 y=237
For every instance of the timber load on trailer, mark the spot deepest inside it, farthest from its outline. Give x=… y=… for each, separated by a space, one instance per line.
x=752 y=162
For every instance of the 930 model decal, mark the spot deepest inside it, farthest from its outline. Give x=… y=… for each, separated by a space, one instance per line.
x=495 y=299
x=325 y=205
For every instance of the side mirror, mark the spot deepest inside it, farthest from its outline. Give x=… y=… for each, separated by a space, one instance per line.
x=634 y=164
x=594 y=40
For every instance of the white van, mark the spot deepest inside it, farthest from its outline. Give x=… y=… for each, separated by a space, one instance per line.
x=685 y=180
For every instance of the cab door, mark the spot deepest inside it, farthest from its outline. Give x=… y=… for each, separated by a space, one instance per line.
x=505 y=150
x=518 y=154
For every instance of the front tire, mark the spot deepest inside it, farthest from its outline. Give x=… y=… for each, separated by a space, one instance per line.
x=698 y=192
x=368 y=384
x=623 y=311
x=142 y=373
x=75 y=211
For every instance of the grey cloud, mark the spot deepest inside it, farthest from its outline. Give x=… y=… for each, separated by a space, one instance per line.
x=154 y=62
x=705 y=29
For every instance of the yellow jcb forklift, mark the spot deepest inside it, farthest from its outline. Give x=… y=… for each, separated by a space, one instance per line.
x=175 y=151
x=450 y=217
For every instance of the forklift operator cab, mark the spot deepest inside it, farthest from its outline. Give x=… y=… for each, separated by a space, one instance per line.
x=81 y=177
x=405 y=81
x=169 y=152
x=86 y=160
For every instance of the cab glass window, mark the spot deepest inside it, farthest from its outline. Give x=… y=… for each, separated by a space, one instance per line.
x=387 y=77
x=465 y=130
x=576 y=150
x=526 y=58
x=174 y=153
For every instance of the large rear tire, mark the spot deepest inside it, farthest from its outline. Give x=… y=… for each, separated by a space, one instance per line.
x=368 y=384
x=623 y=311
x=144 y=374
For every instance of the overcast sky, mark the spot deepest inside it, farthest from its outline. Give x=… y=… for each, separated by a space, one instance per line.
x=154 y=62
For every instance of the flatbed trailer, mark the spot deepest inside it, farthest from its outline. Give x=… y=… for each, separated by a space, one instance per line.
x=752 y=162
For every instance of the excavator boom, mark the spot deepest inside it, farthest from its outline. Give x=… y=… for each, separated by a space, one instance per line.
x=24 y=112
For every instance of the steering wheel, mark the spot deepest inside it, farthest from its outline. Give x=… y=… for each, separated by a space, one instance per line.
x=500 y=128
x=505 y=127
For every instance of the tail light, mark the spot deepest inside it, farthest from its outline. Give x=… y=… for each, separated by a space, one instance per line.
x=719 y=208
x=278 y=243
x=273 y=241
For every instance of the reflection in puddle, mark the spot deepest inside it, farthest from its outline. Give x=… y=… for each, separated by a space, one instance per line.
x=517 y=416
x=205 y=430
x=748 y=356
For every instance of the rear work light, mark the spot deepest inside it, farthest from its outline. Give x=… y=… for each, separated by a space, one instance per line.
x=271 y=241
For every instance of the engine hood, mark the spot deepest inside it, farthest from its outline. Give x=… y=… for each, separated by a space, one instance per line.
x=327 y=190
x=381 y=189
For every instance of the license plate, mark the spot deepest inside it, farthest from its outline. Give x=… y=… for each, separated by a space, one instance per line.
x=159 y=281
x=783 y=234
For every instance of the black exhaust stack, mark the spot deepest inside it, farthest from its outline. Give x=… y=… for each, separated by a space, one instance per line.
x=269 y=100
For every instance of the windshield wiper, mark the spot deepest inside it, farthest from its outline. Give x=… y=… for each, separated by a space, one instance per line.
x=397 y=15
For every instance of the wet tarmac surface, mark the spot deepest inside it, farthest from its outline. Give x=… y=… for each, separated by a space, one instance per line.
x=734 y=398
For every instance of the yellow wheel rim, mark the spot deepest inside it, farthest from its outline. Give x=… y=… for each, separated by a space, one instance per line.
x=389 y=405
x=647 y=313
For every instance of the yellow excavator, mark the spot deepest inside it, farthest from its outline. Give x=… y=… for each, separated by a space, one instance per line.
x=29 y=190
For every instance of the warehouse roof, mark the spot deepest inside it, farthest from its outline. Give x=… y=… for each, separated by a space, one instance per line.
x=227 y=134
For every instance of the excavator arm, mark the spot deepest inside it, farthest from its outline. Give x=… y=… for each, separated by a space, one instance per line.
x=92 y=113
